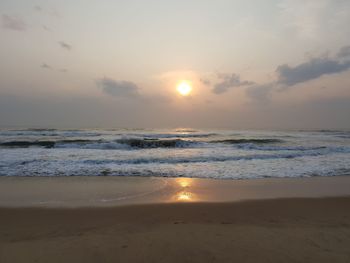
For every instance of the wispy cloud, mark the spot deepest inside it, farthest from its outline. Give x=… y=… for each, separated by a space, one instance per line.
x=64 y=45
x=51 y=11
x=228 y=81
x=49 y=67
x=13 y=23
x=223 y=82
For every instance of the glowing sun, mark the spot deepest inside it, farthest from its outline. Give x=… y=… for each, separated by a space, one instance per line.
x=184 y=88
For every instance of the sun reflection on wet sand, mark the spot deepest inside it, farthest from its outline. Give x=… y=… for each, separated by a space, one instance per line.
x=184 y=182
x=184 y=195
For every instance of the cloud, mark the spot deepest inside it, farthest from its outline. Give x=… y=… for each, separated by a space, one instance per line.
x=205 y=81
x=64 y=45
x=49 y=67
x=46 y=66
x=38 y=8
x=344 y=52
x=13 y=23
x=118 y=88
x=46 y=28
x=228 y=81
x=312 y=69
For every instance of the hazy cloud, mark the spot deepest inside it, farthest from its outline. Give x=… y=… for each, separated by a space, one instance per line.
x=309 y=70
x=118 y=88
x=46 y=28
x=316 y=19
x=228 y=81
x=64 y=45
x=260 y=93
x=204 y=81
x=13 y=23
x=38 y=8
x=344 y=52
x=46 y=66
x=314 y=68
x=49 y=67
x=47 y=10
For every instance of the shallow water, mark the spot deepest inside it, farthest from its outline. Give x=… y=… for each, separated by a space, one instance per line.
x=222 y=154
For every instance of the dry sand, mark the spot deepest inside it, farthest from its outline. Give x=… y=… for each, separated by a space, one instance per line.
x=281 y=230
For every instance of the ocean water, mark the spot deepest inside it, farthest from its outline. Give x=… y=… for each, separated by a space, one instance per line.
x=221 y=154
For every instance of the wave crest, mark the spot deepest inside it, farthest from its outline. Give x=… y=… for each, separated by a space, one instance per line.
x=155 y=143
x=241 y=141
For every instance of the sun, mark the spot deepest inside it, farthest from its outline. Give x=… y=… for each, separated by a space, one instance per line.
x=184 y=88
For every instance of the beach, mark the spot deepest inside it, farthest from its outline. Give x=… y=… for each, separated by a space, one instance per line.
x=175 y=131
x=270 y=223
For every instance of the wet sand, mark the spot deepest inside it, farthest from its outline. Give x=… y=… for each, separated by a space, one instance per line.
x=92 y=191
x=174 y=220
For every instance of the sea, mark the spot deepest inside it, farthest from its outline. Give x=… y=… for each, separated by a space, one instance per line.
x=218 y=154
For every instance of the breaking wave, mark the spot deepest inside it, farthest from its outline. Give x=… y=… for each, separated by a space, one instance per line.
x=45 y=144
x=242 y=141
x=103 y=144
x=207 y=159
x=140 y=143
x=183 y=152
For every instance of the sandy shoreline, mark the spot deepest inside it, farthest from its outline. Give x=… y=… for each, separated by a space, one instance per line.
x=281 y=230
x=174 y=220
x=92 y=191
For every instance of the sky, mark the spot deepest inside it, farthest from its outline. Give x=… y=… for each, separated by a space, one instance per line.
x=274 y=64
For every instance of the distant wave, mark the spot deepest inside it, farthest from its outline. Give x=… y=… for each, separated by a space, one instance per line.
x=48 y=133
x=171 y=135
x=132 y=143
x=255 y=147
x=327 y=131
x=45 y=144
x=26 y=144
x=241 y=141
x=83 y=133
x=155 y=143
x=37 y=129
x=102 y=144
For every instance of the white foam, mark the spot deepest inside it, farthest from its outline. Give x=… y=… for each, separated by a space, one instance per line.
x=112 y=153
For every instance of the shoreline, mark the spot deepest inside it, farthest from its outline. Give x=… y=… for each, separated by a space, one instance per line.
x=95 y=191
